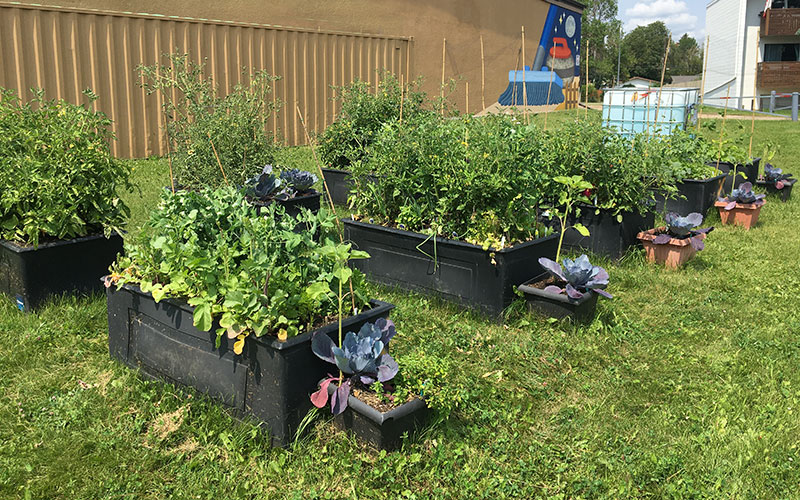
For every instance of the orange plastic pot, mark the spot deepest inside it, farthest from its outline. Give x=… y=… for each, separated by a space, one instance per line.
x=674 y=254
x=745 y=214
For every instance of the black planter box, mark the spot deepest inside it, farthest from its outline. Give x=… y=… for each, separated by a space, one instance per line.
x=694 y=195
x=339 y=184
x=558 y=305
x=383 y=430
x=293 y=205
x=785 y=193
x=271 y=381
x=463 y=273
x=750 y=171
x=607 y=236
x=30 y=275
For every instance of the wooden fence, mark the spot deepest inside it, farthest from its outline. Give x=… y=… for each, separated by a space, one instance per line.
x=65 y=50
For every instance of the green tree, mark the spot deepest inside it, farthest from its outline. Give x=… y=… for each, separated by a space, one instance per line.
x=644 y=49
x=685 y=57
x=601 y=28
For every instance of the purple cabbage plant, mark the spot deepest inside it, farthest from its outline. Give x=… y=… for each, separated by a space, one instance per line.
x=682 y=228
x=263 y=185
x=776 y=176
x=298 y=181
x=362 y=359
x=580 y=277
x=745 y=196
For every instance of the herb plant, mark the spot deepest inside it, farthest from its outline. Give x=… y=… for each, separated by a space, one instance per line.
x=579 y=277
x=575 y=190
x=362 y=357
x=214 y=139
x=243 y=273
x=683 y=228
x=743 y=196
x=58 y=179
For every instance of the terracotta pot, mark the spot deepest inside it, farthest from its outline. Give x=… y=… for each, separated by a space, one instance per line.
x=745 y=214
x=673 y=254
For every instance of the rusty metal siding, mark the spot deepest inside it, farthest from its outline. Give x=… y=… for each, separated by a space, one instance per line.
x=66 y=50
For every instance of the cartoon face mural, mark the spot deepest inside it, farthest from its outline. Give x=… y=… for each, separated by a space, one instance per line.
x=556 y=64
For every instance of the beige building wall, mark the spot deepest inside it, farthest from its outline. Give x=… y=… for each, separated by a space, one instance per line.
x=310 y=44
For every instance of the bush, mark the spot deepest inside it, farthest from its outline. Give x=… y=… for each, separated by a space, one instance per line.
x=214 y=140
x=58 y=179
x=362 y=116
x=476 y=179
x=253 y=274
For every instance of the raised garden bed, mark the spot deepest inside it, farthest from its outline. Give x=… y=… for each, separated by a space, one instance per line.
x=338 y=183
x=556 y=305
x=750 y=171
x=694 y=195
x=785 y=192
x=460 y=272
x=383 y=430
x=607 y=235
x=270 y=381
x=29 y=275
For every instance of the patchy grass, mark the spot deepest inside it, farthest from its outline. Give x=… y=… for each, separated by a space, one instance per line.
x=687 y=385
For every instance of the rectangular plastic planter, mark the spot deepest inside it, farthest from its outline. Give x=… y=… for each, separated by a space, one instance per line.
x=339 y=184
x=462 y=272
x=271 y=381
x=558 y=306
x=383 y=430
x=30 y=275
x=293 y=205
x=750 y=171
x=785 y=193
x=607 y=236
x=694 y=195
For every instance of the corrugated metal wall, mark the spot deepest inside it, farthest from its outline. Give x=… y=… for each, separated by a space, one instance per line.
x=67 y=50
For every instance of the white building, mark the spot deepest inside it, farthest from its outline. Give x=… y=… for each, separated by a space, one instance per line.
x=736 y=65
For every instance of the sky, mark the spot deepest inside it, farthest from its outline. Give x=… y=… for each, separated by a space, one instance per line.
x=679 y=16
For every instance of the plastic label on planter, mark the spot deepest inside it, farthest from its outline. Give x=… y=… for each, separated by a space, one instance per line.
x=20 y=303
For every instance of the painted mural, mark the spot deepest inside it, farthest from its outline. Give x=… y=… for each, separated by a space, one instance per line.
x=556 y=64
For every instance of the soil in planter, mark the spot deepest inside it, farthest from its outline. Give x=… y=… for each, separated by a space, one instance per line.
x=374 y=400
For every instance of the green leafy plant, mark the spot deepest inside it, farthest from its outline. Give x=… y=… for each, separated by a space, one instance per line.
x=58 y=179
x=575 y=190
x=362 y=116
x=243 y=273
x=214 y=139
x=472 y=179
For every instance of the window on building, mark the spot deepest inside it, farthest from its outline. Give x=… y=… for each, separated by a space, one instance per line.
x=786 y=4
x=781 y=52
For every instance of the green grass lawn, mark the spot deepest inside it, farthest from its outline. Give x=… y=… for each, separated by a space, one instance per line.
x=687 y=385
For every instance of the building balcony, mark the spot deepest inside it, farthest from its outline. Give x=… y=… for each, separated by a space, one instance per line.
x=780 y=22
x=779 y=76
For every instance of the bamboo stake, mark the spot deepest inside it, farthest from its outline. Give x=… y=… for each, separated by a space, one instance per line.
x=524 y=81
x=483 y=78
x=661 y=85
x=169 y=153
x=467 y=91
x=402 y=97
x=755 y=91
x=328 y=192
x=703 y=83
x=547 y=109
x=444 y=53
x=722 y=131
x=224 y=177
x=586 y=112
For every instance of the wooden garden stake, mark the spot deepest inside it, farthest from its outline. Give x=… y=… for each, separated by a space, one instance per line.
x=586 y=112
x=524 y=81
x=703 y=83
x=755 y=91
x=467 y=93
x=722 y=130
x=444 y=53
x=483 y=78
x=402 y=97
x=661 y=85
x=327 y=191
x=547 y=109
x=224 y=177
x=169 y=153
